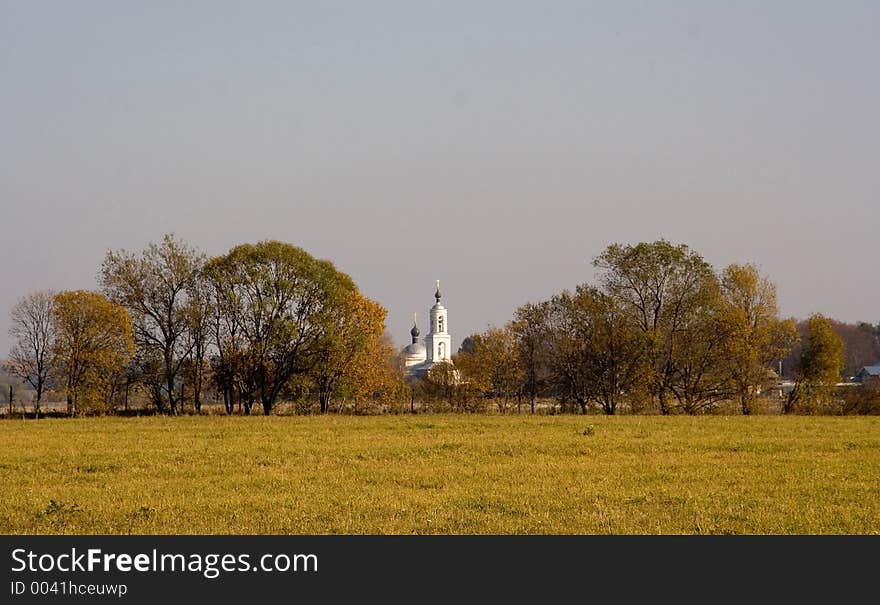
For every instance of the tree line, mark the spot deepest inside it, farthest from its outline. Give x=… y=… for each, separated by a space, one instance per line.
x=660 y=330
x=260 y=323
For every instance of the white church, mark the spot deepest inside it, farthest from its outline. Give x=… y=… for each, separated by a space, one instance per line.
x=418 y=357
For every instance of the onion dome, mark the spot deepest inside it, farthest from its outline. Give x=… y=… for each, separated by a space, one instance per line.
x=415 y=330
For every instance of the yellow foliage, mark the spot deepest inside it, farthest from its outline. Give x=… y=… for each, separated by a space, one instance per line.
x=358 y=361
x=93 y=342
x=756 y=337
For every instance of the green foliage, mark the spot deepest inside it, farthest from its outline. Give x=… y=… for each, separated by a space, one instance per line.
x=279 y=306
x=661 y=326
x=819 y=367
x=357 y=361
x=756 y=336
x=669 y=293
x=267 y=322
x=597 y=357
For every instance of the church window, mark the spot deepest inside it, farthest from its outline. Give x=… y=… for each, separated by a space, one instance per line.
x=441 y=350
x=440 y=324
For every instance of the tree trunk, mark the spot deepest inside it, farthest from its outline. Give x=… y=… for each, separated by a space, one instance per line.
x=532 y=403
x=197 y=391
x=230 y=405
x=172 y=404
x=746 y=403
x=39 y=398
x=664 y=408
x=156 y=395
x=788 y=406
x=169 y=384
x=228 y=400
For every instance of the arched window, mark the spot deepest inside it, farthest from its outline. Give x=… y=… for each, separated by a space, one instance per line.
x=440 y=324
x=441 y=350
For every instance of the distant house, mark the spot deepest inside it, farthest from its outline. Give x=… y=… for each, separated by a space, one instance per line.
x=869 y=375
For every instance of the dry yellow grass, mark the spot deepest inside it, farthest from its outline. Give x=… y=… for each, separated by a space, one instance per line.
x=441 y=474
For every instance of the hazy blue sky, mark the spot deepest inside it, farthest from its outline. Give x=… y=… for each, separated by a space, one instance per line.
x=498 y=146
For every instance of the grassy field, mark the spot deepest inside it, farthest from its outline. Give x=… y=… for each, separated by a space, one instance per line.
x=441 y=474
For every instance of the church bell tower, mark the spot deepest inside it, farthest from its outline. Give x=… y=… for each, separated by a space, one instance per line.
x=438 y=342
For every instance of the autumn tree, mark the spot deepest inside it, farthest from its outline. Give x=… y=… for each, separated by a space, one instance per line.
x=818 y=369
x=569 y=340
x=153 y=286
x=374 y=377
x=756 y=336
x=224 y=321
x=488 y=362
x=198 y=312
x=661 y=288
x=530 y=332
x=284 y=305
x=31 y=333
x=597 y=356
x=861 y=342
x=698 y=349
x=92 y=344
x=352 y=338
x=443 y=383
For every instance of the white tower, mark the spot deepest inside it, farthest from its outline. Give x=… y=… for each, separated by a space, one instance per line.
x=438 y=342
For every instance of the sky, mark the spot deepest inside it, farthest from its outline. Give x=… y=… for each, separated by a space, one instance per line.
x=498 y=146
